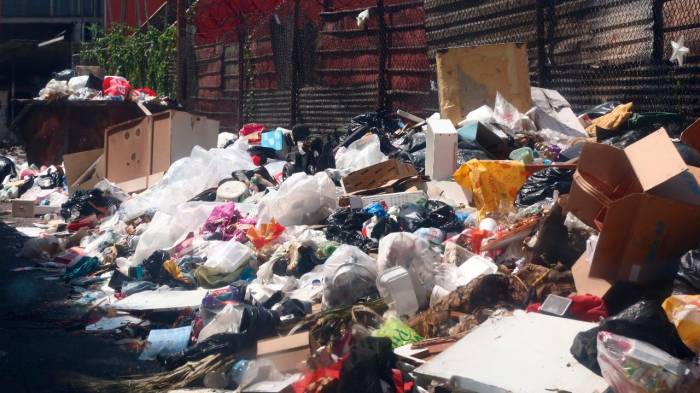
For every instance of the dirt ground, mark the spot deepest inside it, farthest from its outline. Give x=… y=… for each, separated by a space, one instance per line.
x=42 y=342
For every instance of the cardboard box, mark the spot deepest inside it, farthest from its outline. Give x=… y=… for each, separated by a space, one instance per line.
x=128 y=148
x=691 y=135
x=644 y=200
x=175 y=133
x=386 y=176
x=469 y=77
x=285 y=352
x=440 y=149
x=137 y=149
x=28 y=209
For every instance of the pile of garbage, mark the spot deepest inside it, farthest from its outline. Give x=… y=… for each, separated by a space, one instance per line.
x=67 y=85
x=404 y=256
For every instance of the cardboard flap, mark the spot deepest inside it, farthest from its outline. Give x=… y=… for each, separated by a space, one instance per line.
x=378 y=176
x=77 y=163
x=641 y=233
x=607 y=163
x=585 y=283
x=654 y=159
x=691 y=135
x=683 y=188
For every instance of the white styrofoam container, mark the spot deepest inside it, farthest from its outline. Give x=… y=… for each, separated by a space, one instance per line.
x=440 y=149
x=396 y=287
x=392 y=199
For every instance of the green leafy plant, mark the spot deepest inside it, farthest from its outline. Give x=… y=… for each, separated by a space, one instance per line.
x=144 y=57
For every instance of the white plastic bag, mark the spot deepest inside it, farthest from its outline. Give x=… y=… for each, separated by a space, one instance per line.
x=227 y=257
x=413 y=254
x=301 y=200
x=228 y=320
x=359 y=154
x=78 y=82
x=506 y=114
x=348 y=274
x=54 y=88
x=188 y=177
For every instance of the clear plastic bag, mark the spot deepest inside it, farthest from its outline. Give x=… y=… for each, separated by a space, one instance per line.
x=413 y=254
x=187 y=177
x=301 y=200
x=359 y=154
x=227 y=257
x=166 y=229
x=348 y=275
x=228 y=320
x=633 y=366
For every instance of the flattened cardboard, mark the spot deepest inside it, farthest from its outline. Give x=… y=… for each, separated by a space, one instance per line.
x=285 y=352
x=378 y=176
x=469 y=77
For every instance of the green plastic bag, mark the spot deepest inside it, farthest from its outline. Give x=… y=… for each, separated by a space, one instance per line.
x=398 y=332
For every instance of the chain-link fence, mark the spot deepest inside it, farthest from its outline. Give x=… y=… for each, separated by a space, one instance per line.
x=321 y=62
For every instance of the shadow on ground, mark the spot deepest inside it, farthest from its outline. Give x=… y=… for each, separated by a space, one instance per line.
x=41 y=342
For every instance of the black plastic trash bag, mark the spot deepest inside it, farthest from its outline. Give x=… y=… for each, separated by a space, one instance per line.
x=7 y=168
x=542 y=184
x=378 y=123
x=368 y=367
x=256 y=323
x=687 y=281
x=644 y=320
x=84 y=203
x=619 y=139
x=64 y=75
x=50 y=180
x=153 y=265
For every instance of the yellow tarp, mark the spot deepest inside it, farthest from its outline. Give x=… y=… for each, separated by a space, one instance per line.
x=494 y=184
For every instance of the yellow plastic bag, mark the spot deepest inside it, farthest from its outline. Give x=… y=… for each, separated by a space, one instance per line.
x=494 y=184
x=684 y=312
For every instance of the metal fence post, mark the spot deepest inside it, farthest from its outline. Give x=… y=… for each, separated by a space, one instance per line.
x=382 y=46
x=658 y=31
x=181 y=48
x=294 y=89
x=241 y=74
